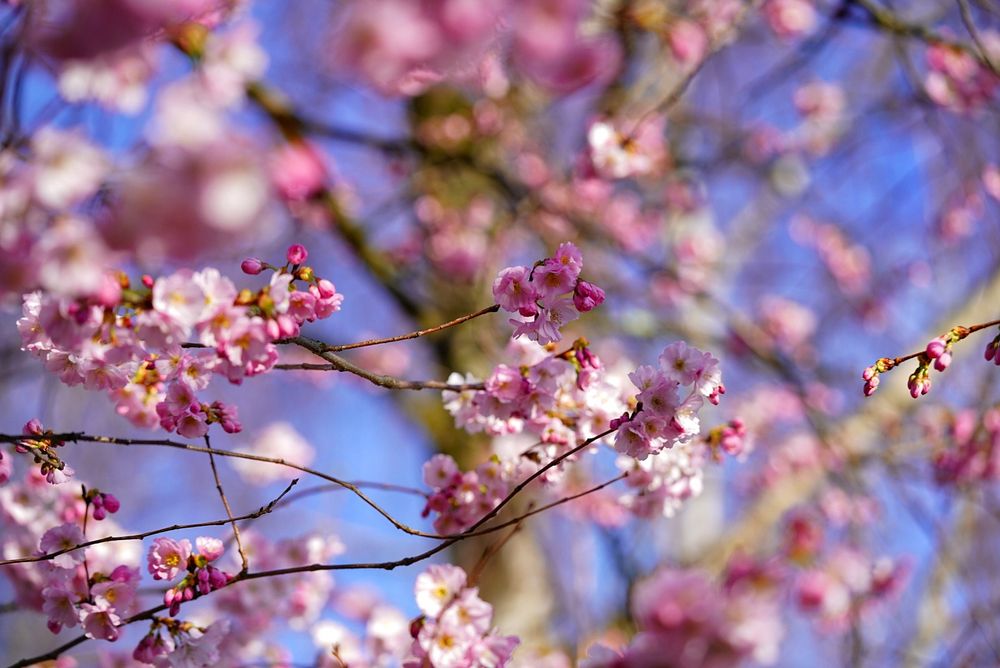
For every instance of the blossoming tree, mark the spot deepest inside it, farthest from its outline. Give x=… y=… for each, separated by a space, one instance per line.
x=435 y=296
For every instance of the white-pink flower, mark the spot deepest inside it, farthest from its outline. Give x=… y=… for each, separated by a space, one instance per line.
x=63 y=537
x=437 y=586
x=168 y=557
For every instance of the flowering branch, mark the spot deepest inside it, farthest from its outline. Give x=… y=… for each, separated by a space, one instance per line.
x=413 y=335
x=384 y=565
x=225 y=503
x=260 y=512
x=937 y=351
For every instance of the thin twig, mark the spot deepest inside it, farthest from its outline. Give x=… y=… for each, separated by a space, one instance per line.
x=378 y=565
x=338 y=363
x=414 y=335
x=966 y=12
x=260 y=512
x=245 y=566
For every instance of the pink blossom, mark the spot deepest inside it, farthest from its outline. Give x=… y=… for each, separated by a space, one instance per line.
x=790 y=18
x=623 y=148
x=100 y=620
x=60 y=605
x=587 y=296
x=210 y=548
x=63 y=537
x=437 y=586
x=688 y=42
x=298 y=171
x=514 y=291
x=167 y=558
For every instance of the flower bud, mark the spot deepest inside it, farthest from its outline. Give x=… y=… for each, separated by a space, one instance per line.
x=252 y=266
x=297 y=254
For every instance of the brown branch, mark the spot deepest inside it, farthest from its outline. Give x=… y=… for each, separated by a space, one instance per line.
x=260 y=512
x=128 y=442
x=966 y=13
x=245 y=566
x=413 y=335
x=884 y=19
x=889 y=363
x=338 y=363
x=378 y=565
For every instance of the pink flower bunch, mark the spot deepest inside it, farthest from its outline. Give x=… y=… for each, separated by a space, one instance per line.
x=970 y=449
x=131 y=344
x=731 y=438
x=454 y=629
x=847 y=262
x=171 y=643
x=47 y=243
x=562 y=398
x=42 y=450
x=622 y=148
x=666 y=419
x=102 y=503
x=660 y=483
x=546 y=296
x=686 y=620
x=790 y=18
x=457 y=238
x=823 y=106
x=100 y=612
x=789 y=324
x=848 y=586
x=542 y=37
x=957 y=80
x=257 y=606
x=803 y=537
x=992 y=352
x=460 y=499
x=168 y=558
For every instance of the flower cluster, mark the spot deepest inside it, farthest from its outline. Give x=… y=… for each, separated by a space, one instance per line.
x=548 y=295
x=970 y=449
x=460 y=499
x=686 y=620
x=67 y=601
x=446 y=40
x=171 y=643
x=665 y=418
x=133 y=341
x=847 y=586
x=790 y=18
x=454 y=629
x=42 y=450
x=957 y=79
x=92 y=587
x=561 y=398
x=167 y=558
x=620 y=149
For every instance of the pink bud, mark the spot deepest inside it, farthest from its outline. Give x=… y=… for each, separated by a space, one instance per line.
x=33 y=426
x=942 y=362
x=936 y=348
x=297 y=254
x=587 y=296
x=326 y=288
x=272 y=329
x=287 y=325
x=252 y=266
x=111 y=503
